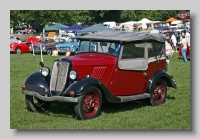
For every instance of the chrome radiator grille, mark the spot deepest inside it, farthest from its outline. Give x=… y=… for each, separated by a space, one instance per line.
x=59 y=77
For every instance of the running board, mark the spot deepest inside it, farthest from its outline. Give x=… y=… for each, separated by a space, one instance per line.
x=134 y=97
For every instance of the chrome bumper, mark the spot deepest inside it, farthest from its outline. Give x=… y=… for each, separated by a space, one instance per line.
x=53 y=98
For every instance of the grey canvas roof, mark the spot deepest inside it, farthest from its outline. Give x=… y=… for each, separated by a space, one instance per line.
x=122 y=36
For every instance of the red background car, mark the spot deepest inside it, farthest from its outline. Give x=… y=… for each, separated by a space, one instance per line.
x=19 y=48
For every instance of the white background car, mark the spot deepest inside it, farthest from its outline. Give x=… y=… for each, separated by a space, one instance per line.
x=12 y=39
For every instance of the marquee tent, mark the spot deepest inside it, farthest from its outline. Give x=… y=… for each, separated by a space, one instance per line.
x=171 y=19
x=54 y=27
x=75 y=27
x=96 y=28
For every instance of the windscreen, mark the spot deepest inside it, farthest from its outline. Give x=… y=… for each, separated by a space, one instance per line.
x=111 y=48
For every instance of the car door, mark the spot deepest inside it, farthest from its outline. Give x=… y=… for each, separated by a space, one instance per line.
x=129 y=76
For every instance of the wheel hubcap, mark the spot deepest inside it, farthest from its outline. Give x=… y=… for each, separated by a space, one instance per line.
x=159 y=93
x=91 y=104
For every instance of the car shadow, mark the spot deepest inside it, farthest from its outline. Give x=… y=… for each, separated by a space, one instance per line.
x=67 y=110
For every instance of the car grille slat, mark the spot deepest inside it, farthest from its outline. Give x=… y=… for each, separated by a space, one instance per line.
x=59 y=77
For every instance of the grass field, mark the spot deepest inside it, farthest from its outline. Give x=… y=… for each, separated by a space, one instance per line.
x=173 y=114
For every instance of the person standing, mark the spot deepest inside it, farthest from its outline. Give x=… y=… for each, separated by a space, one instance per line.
x=11 y=30
x=187 y=37
x=184 y=48
x=174 y=41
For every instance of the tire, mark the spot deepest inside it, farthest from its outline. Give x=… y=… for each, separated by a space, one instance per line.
x=158 y=92
x=89 y=104
x=35 y=105
x=18 y=51
x=49 y=52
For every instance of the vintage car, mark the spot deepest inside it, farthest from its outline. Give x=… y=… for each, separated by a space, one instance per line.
x=71 y=44
x=26 y=47
x=22 y=34
x=112 y=67
x=48 y=44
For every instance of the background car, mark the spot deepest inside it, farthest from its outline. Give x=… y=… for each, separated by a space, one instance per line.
x=12 y=39
x=71 y=44
x=48 y=44
x=23 y=35
x=19 y=48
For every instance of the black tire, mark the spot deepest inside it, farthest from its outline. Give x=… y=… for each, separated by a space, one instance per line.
x=35 y=105
x=89 y=104
x=18 y=51
x=49 y=52
x=158 y=92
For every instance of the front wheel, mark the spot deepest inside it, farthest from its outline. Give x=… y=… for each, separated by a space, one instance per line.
x=89 y=104
x=35 y=105
x=18 y=51
x=158 y=93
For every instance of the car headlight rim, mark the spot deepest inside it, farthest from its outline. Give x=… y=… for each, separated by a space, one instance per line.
x=73 y=75
x=45 y=71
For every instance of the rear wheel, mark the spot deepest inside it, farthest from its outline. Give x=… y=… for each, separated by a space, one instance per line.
x=35 y=105
x=89 y=104
x=18 y=51
x=158 y=93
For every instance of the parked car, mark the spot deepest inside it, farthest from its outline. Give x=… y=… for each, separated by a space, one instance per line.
x=48 y=44
x=23 y=35
x=26 y=47
x=71 y=44
x=12 y=39
x=129 y=66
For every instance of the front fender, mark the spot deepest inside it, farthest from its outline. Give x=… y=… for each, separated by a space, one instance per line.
x=158 y=75
x=37 y=80
x=80 y=87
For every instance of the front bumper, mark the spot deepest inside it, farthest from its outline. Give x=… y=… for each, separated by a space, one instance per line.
x=52 y=98
x=39 y=51
x=11 y=50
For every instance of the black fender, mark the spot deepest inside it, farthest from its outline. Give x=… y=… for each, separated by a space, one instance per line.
x=158 y=75
x=79 y=88
x=37 y=80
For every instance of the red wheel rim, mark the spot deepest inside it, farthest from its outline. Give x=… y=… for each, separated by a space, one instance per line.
x=159 y=93
x=91 y=104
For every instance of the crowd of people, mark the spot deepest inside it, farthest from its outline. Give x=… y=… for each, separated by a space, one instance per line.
x=177 y=41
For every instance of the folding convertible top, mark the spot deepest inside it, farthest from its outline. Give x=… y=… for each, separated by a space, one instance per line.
x=122 y=36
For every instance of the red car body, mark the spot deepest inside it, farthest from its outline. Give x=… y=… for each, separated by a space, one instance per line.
x=19 y=48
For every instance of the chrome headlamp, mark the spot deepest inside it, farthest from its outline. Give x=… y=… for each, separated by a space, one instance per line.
x=73 y=75
x=45 y=71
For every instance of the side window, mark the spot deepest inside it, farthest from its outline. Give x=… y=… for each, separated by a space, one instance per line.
x=158 y=47
x=24 y=33
x=133 y=50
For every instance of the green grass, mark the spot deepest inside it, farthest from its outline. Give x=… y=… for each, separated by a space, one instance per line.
x=173 y=114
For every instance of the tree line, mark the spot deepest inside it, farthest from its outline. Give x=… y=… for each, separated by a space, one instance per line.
x=43 y=17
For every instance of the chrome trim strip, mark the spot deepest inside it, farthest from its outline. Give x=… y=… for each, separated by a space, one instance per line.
x=53 y=98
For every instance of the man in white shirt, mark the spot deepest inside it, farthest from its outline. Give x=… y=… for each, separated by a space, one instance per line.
x=187 y=37
x=174 y=41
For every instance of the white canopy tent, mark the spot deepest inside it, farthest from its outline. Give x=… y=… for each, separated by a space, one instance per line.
x=144 y=22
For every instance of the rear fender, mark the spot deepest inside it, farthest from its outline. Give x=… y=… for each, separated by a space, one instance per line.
x=163 y=75
x=36 y=79
x=80 y=87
